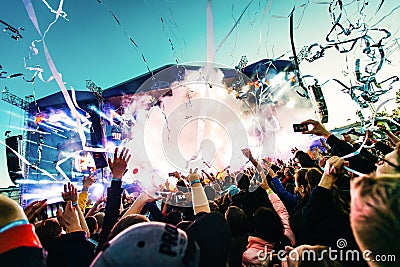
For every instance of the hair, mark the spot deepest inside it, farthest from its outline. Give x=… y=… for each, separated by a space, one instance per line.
x=301 y=177
x=305 y=160
x=124 y=223
x=174 y=217
x=210 y=192
x=243 y=181
x=100 y=219
x=268 y=226
x=375 y=214
x=181 y=186
x=47 y=231
x=213 y=206
x=227 y=180
x=312 y=177
x=91 y=223
x=238 y=221
x=291 y=169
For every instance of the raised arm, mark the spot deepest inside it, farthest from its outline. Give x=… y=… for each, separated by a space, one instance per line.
x=199 y=198
x=82 y=198
x=71 y=194
x=275 y=200
x=118 y=166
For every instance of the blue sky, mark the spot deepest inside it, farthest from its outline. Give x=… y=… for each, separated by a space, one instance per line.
x=91 y=45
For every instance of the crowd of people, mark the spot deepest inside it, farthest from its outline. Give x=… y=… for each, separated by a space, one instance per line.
x=315 y=210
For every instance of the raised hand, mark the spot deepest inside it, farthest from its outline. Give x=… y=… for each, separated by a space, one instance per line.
x=193 y=175
x=247 y=153
x=34 y=209
x=88 y=181
x=70 y=193
x=119 y=164
x=318 y=128
x=69 y=219
x=334 y=166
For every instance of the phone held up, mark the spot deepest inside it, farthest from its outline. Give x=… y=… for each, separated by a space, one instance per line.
x=51 y=210
x=300 y=127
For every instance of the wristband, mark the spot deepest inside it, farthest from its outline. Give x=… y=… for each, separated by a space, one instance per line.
x=85 y=189
x=116 y=180
x=95 y=204
x=269 y=191
x=194 y=181
x=74 y=204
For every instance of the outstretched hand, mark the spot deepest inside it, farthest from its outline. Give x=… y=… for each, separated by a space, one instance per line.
x=69 y=219
x=318 y=128
x=334 y=166
x=193 y=175
x=88 y=181
x=119 y=164
x=34 y=208
x=247 y=153
x=70 y=193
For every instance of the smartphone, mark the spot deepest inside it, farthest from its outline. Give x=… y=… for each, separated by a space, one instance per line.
x=51 y=210
x=300 y=127
x=171 y=174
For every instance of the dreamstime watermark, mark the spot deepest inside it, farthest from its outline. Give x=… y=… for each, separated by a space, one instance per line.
x=320 y=253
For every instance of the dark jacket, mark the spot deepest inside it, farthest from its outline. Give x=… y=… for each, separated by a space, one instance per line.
x=364 y=162
x=111 y=212
x=249 y=202
x=70 y=249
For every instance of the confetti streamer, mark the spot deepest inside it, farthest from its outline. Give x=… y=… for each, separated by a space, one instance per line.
x=170 y=41
x=233 y=27
x=129 y=37
x=15 y=34
x=59 y=11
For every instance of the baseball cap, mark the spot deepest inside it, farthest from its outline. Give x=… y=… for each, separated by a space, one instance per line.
x=149 y=244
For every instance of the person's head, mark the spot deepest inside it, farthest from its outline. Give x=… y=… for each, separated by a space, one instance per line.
x=174 y=217
x=300 y=180
x=267 y=225
x=238 y=221
x=210 y=192
x=288 y=171
x=149 y=244
x=313 y=177
x=233 y=190
x=100 y=219
x=91 y=224
x=47 y=230
x=387 y=164
x=211 y=232
x=375 y=214
x=227 y=180
x=213 y=206
x=347 y=138
x=243 y=181
x=308 y=256
x=306 y=180
x=124 y=223
x=181 y=186
x=19 y=244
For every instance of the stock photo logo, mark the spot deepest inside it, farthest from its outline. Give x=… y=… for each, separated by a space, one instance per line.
x=201 y=117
